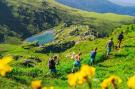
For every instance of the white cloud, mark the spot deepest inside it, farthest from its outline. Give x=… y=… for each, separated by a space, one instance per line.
x=124 y=2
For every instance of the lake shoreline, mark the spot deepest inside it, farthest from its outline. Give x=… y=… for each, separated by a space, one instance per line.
x=42 y=37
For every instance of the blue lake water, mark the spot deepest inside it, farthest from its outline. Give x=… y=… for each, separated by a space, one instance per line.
x=42 y=38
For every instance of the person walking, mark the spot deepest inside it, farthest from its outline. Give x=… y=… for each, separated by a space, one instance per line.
x=120 y=38
x=93 y=56
x=109 y=46
x=77 y=63
x=52 y=64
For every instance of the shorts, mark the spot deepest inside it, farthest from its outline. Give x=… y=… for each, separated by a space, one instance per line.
x=92 y=60
x=77 y=64
x=120 y=40
x=109 y=49
x=53 y=70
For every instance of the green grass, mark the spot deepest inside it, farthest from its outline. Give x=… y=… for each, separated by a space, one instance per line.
x=49 y=14
x=120 y=63
x=85 y=14
x=106 y=16
x=32 y=3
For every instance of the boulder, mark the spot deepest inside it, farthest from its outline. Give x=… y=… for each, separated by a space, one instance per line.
x=28 y=63
x=57 y=47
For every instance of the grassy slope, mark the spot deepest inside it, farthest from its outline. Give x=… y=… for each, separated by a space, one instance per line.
x=32 y=14
x=33 y=3
x=101 y=23
x=21 y=76
x=69 y=10
x=25 y=18
x=120 y=63
x=107 y=16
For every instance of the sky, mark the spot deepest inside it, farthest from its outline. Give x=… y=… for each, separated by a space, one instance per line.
x=124 y=2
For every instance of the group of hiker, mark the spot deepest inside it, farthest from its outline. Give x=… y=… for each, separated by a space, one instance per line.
x=77 y=58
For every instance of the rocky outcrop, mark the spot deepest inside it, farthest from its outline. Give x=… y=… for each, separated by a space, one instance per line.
x=57 y=47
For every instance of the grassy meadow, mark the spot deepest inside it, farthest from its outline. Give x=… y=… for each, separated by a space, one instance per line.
x=81 y=13
x=28 y=17
x=37 y=16
x=120 y=63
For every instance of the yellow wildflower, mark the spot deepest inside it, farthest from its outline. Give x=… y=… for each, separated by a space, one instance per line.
x=4 y=67
x=81 y=76
x=105 y=84
x=131 y=82
x=115 y=78
x=51 y=87
x=48 y=88
x=87 y=70
x=44 y=88
x=36 y=84
x=6 y=59
x=111 y=80
x=72 y=79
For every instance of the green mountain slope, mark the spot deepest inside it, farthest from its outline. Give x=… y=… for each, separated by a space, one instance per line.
x=25 y=18
x=103 y=6
x=28 y=17
x=120 y=62
x=70 y=25
x=107 y=16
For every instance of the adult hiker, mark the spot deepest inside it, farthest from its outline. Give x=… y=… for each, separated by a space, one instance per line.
x=52 y=64
x=109 y=46
x=77 y=63
x=93 y=56
x=120 y=38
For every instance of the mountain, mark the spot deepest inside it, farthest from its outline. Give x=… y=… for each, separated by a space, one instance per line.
x=101 y=6
x=22 y=19
x=75 y=31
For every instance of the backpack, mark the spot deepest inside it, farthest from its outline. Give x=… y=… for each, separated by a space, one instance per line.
x=51 y=64
x=120 y=37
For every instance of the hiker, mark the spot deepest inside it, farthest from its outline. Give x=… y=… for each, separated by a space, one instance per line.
x=77 y=61
x=120 y=38
x=52 y=64
x=92 y=56
x=109 y=46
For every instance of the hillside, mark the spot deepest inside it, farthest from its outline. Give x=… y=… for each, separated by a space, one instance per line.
x=74 y=31
x=24 y=18
x=120 y=62
x=104 y=6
